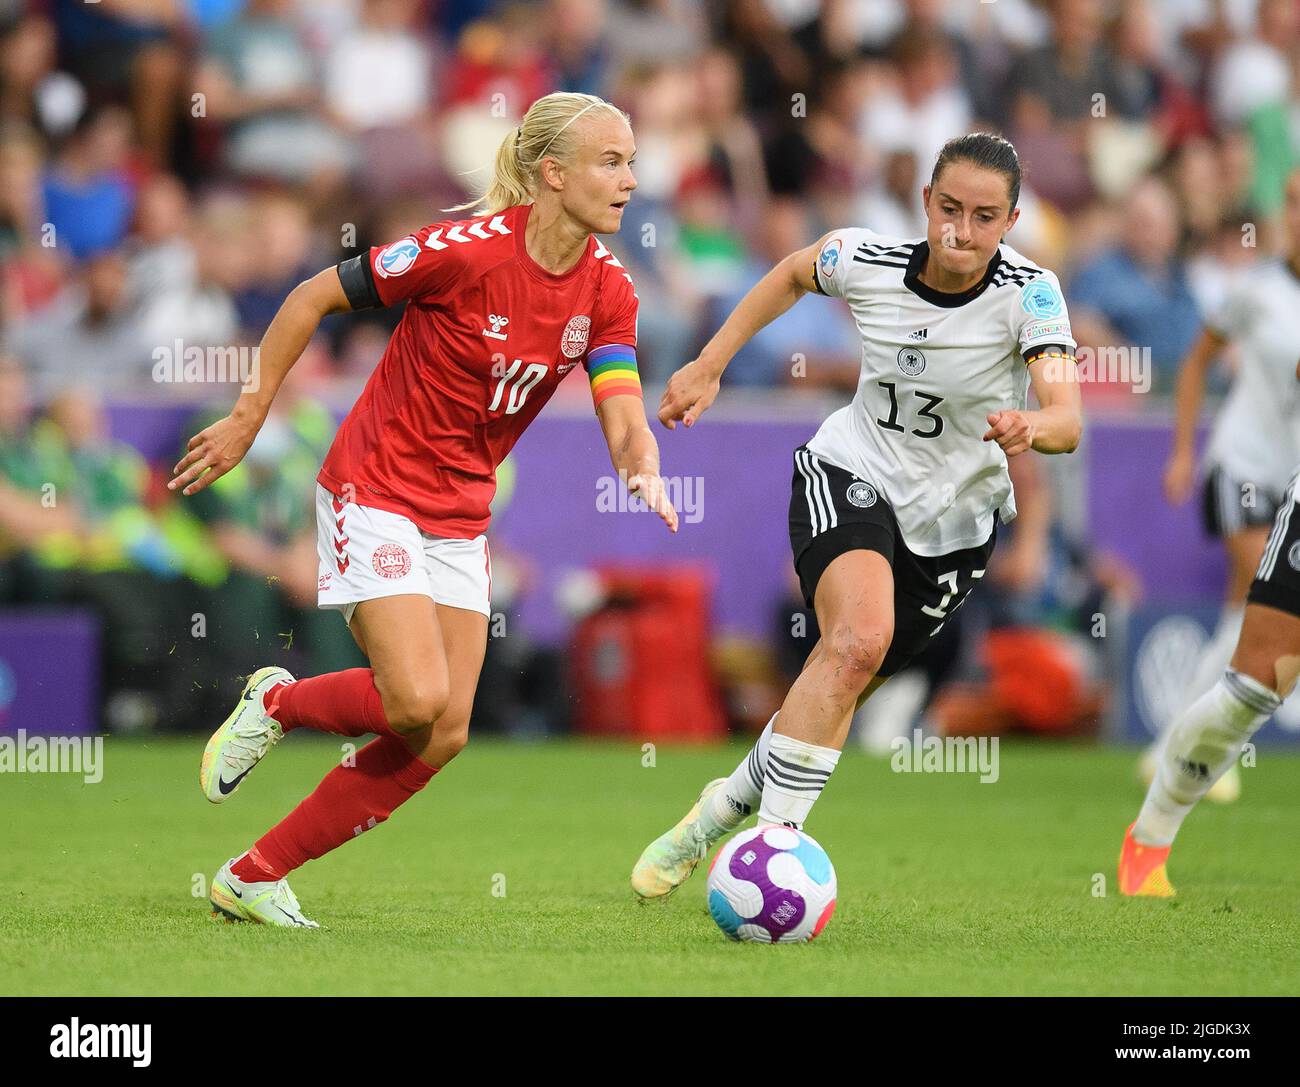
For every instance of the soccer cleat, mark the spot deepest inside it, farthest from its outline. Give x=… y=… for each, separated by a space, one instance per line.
x=670 y=859
x=1142 y=869
x=1227 y=790
x=239 y=744
x=270 y=903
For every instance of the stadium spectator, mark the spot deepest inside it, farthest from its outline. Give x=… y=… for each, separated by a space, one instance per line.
x=184 y=268
x=379 y=83
x=1138 y=294
x=815 y=344
x=32 y=91
x=30 y=272
x=925 y=104
x=88 y=334
x=88 y=193
x=260 y=80
x=128 y=52
x=575 y=38
x=1254 y=72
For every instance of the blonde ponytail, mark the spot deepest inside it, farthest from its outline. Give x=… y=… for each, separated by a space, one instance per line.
x=546 y=130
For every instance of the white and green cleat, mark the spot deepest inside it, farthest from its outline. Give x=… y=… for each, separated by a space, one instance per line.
x=270 y=903
x=239 y=744
x=670 y=859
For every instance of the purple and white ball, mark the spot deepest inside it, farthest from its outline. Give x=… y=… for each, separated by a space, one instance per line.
x=772 y=885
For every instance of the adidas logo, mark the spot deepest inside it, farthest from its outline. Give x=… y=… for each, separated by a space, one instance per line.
x=737 y=806
x=919 y=335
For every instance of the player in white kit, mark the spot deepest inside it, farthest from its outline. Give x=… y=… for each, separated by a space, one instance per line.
x=1253 y=447
x=1207 y=737
x=895 y=501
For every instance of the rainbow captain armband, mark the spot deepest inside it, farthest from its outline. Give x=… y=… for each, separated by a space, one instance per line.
x=612 y=372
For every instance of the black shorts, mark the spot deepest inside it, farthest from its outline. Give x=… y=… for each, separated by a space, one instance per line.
x=833 y=511
x=1277 y=581
x=1230 y=504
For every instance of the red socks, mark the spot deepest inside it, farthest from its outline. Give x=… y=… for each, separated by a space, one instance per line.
x=348 y=801
x=346 y=703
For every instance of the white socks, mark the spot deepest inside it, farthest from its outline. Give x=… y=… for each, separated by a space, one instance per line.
x=1203 y=742
x=783 y=775
x=736 y=801
x=796 y=774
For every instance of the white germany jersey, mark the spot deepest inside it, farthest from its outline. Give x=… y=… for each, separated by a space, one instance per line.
x=1255 y=435
x=934 y=366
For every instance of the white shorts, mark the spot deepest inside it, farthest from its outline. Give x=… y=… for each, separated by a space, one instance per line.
x=367 y=553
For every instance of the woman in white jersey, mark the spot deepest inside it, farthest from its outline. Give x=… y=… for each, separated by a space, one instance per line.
x=1253 y=448
x=896 y=499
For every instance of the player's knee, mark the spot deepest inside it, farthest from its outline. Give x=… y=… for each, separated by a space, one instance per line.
x=452 y=734
x=857 y=652
x=415 y=708
x=1263 y=664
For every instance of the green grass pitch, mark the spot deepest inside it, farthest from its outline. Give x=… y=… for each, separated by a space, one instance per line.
x=945 y=885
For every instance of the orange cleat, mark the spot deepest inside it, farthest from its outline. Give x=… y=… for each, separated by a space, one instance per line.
x=1142 y=869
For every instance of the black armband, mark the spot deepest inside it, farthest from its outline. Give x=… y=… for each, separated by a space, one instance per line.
x=816 y=282
x=1048 y=350
x=358 y=281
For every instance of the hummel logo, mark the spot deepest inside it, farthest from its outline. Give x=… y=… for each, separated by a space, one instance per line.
x=919 y=335
x=456 y=233
x=497 y=323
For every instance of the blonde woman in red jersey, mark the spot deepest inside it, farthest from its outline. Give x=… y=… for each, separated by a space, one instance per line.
x=498 y=309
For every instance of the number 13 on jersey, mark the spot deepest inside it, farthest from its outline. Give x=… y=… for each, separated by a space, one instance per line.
x=935 y=427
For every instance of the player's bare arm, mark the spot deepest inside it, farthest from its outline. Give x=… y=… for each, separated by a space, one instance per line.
x=1188 y=393
x=693 y=388
x=215 y=450
x=1057 y=425
x=634 y=453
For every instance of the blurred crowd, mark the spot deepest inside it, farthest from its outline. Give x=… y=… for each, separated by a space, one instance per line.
x=170 y=169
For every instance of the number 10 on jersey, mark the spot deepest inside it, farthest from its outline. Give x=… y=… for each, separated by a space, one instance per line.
x=520 y=381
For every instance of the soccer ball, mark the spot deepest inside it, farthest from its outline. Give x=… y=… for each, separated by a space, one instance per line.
x=772 y=885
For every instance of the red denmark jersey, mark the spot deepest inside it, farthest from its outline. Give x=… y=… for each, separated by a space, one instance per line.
x=485 y=339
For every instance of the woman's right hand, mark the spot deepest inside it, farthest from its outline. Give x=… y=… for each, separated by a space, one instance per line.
x=212 y=452
x=689 y=393
x=1179 y=474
